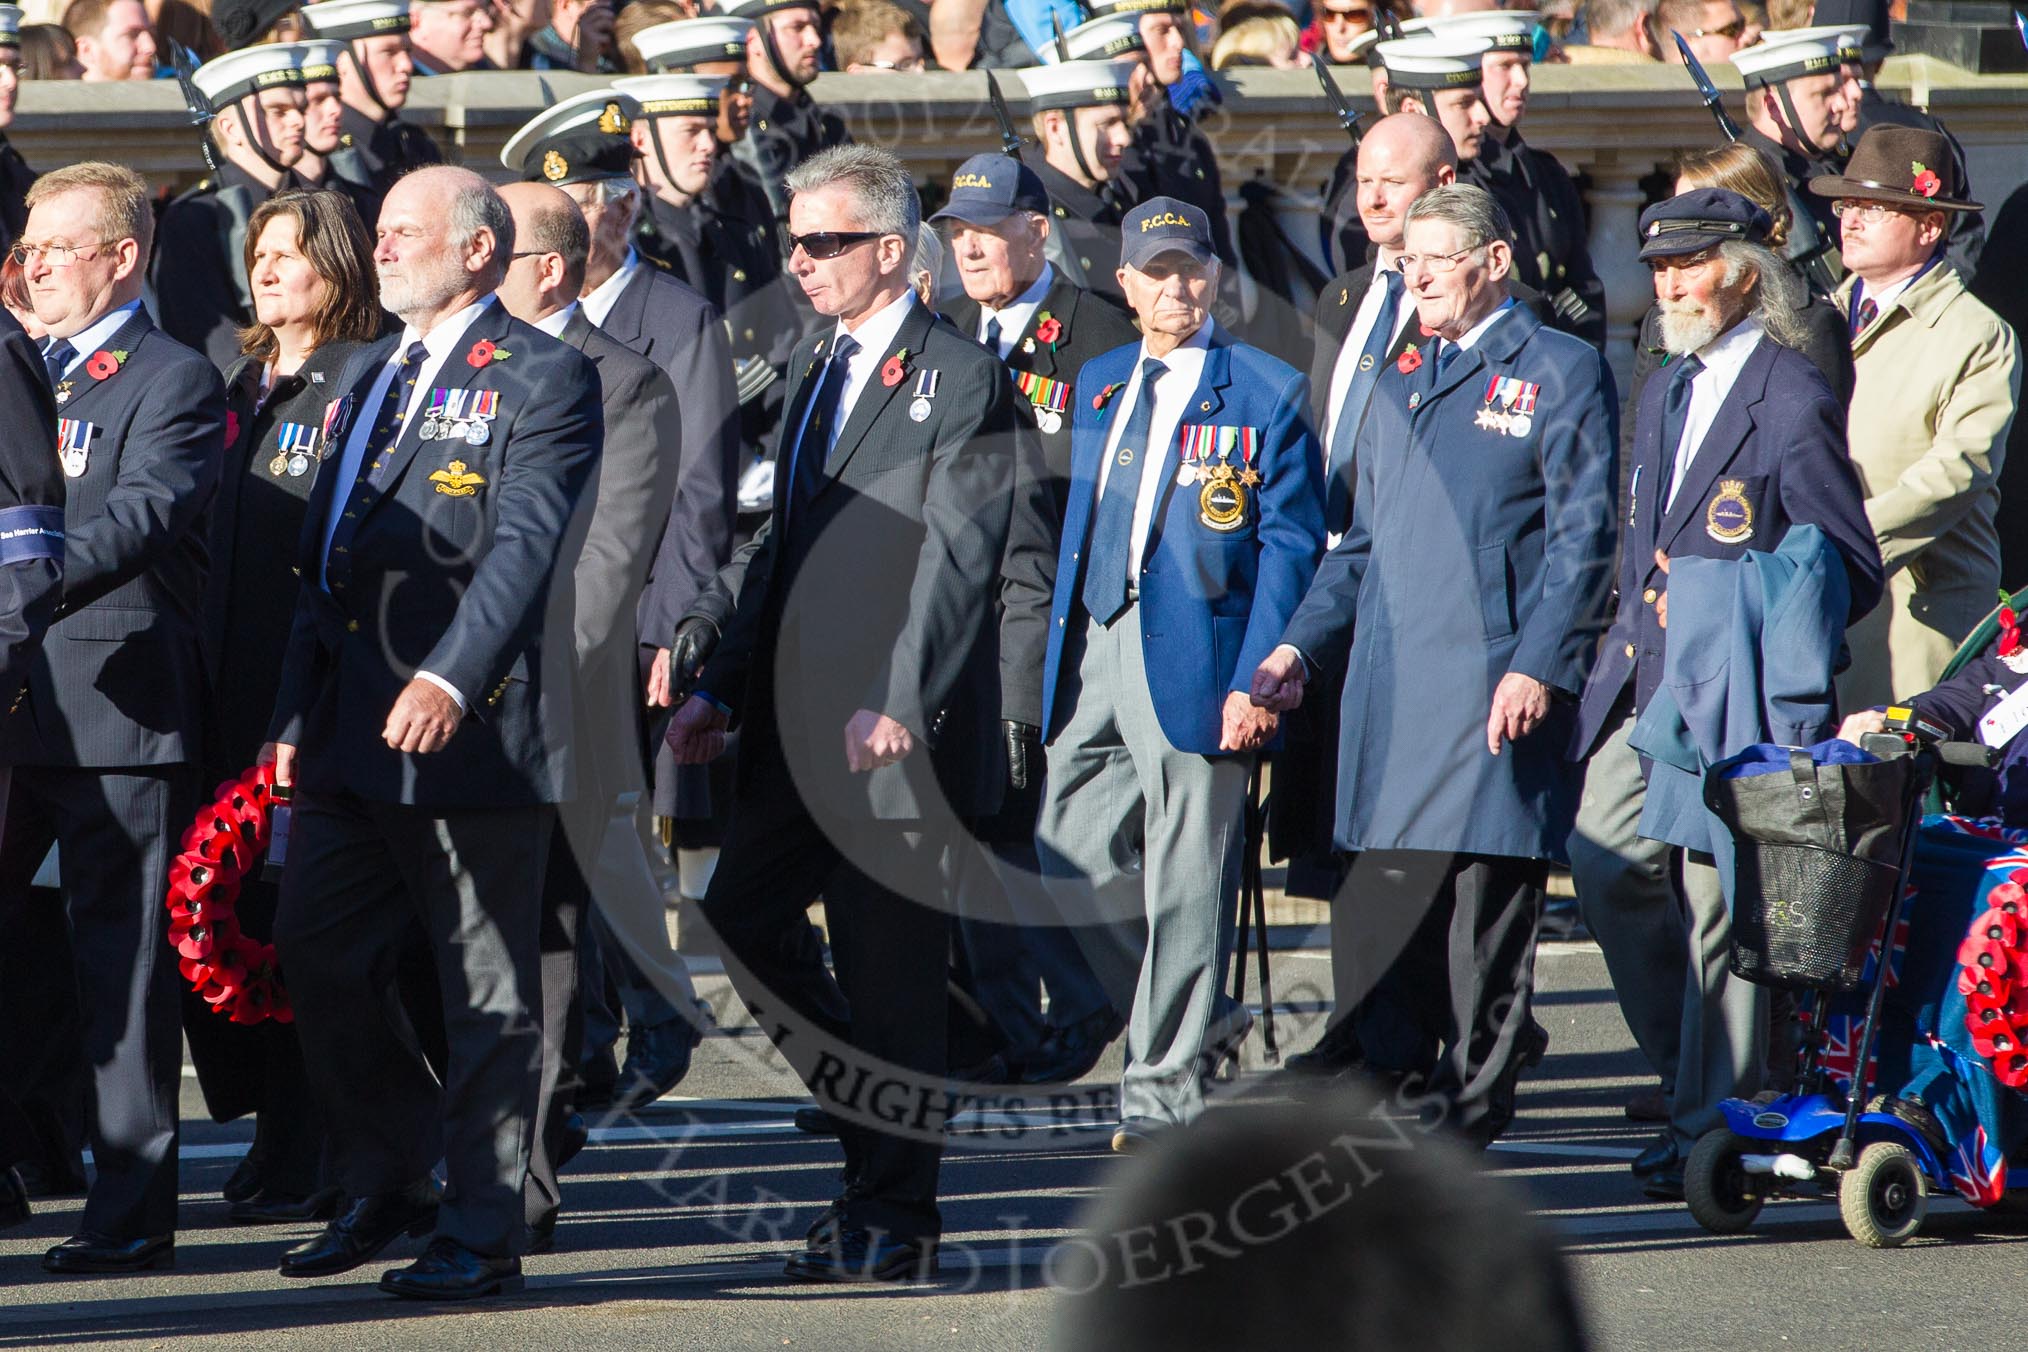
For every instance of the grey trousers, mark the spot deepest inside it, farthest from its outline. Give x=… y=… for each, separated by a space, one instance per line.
x=1140 y=844
x=1660 y=916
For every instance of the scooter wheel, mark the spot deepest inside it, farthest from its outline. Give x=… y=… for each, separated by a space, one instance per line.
x=1721 y=1195
x=1883 y=1197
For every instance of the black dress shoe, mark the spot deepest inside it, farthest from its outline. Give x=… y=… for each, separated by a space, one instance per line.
x=575 y=1137
x=14 y=1208
x=450 y=1271
x=48 y=1178
x=96 y=1253
x=816 y=1122
x=657 y=1060
x=1069 y=1053
x=268 y=1207
x=1663 y=1154
x=857 y=1256
x=1336 y=1053
x=1665 y=1185
x=245 y=1179
x=363 y=1229
x=992 y=1070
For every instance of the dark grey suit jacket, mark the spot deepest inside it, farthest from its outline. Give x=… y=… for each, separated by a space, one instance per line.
x=878 y=593
x=120 y=678
x=625 y=511
x=676 y=328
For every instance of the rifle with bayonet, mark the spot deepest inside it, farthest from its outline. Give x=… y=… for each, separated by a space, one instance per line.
x=1010 y=140
x=1348 y=116
x=184 y=62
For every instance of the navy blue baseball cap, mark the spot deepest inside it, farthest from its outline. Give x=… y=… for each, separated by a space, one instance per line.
x=990 y=188
x=1693 y=221
x=1164 y=225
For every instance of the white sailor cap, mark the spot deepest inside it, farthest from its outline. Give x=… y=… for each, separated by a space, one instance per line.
x=267 y=65
x=1102 y=39
x=754 y=9
x=1136 y=8
x=10 y=25
x=1433 y=63
x=348 y=19
x=318 y=58
x=580 y=140
x=1076 y=84
x=1508 y=30
x=684 y=43
x=1852 y=40
x=673 y=95
x=1787 y=54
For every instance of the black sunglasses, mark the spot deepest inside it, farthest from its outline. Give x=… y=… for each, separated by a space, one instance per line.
x=830 y=243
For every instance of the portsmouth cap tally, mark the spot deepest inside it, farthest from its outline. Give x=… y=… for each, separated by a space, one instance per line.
x=268 y=65
x=1101 y=39
x=989 y=188
x=1693 y=221
x=1138 y=7
x=1076 y=84
x=754 y=9
x=1786 y=55
x=318 y=59
x=689 y=42
x=1505 y=30
x=580 y=140
x=348 y=19
x=674 y=95
x=1433 y=63
x=1165 y=225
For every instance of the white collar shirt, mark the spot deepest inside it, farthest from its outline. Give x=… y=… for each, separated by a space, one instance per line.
x=555 y=322
x=606 y=294
x=1015 y=318
x=1723 y=357
x=1173 y=393
x=1347 y=366
x=97 y=334
x=876 y=336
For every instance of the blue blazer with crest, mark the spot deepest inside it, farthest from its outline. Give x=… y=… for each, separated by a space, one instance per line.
x=1213 y=602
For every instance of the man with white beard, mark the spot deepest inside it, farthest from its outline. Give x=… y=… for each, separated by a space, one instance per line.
x=1736 y=439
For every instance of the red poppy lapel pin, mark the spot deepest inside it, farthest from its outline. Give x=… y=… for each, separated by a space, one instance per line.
x=1409 y=360
x=1099 y=400
x=484 y=353
x=104 y=364
x=895 y=369
x=1048 y=329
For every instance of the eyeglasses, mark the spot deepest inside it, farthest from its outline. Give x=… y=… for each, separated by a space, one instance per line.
x=59 y=255
x=830 y=243
x=1732 y=30
x=1435 y=262
x=1364 y=16
x=1872 y=213
x=912 y=63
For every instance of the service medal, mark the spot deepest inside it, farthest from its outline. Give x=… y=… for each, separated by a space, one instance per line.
x=1049 y=420
x=919 y=411
x=279 y=465
x=299 y=465
x=74 y=445
x=430 y=429
x=926 y=382
x=1518 y=424
x=74 y=464
x=1187 y=475
x=477 y=434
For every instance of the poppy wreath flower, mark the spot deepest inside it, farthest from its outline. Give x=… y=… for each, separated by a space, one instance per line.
x=895 y=369
x=231 y=427
x=484 y=353
x=238 y=976
x=2010 y=627
x=1050 y=330
x=1410 y=359
x=102 y=363
x=1926 y=183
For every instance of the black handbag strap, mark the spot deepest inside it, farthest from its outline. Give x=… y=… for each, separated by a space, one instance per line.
x=1810 y=809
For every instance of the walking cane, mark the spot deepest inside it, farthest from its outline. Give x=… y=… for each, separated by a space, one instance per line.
x=1253 y=910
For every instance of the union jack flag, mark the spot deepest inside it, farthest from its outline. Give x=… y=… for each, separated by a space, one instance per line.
x=1978 y=1169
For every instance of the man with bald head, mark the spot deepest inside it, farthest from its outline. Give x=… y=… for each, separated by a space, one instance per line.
x=425 y=722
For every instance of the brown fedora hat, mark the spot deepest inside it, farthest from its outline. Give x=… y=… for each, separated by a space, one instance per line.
x=1905 y=166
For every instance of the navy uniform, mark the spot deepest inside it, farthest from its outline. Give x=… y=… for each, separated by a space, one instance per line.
x=15 y=175
x=1044 y=335
x=105 y=743
x=31 y=577
x=1084 y=235
x=1813 y=229
x=200 y=277
x=1344 y=235
x=373 y=150
x=1772 y=454
x=785 y=131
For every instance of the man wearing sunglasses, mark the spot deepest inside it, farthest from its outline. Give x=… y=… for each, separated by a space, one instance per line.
x=859 y=653
x=1796 y=97
x=1338 y=25
x=783 y=54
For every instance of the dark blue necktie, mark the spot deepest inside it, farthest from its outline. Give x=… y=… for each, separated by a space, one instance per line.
x=373 y=458
x=1112 y=529
x=813 y=446
x=56 y=359
x=992 y=338
x=1359 y=390
x=1676 y=412
x=1446 y=354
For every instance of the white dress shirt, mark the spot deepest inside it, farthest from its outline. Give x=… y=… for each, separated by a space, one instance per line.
x=556 y=321
x=1723 y=358
x=1014 y=319
x=606 y=294
x=1480 y=329
x=1355 y=342
x=442 y=342
x=876 y=336
x=98 y=333
x=1173 y=393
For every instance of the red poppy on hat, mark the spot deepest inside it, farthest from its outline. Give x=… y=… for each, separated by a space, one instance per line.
x=1926 y=183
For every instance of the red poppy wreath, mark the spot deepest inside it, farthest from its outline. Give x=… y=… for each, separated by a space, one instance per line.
x=238 y=976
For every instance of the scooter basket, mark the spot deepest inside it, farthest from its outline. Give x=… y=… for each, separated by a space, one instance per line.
x=1819 y=853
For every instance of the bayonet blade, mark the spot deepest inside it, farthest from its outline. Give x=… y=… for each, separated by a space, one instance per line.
x=1348 y=118
x=1714 y=102
x=1010 y=139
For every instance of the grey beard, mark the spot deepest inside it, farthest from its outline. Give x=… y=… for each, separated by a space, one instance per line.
x=410 y=296
x=1686 y=330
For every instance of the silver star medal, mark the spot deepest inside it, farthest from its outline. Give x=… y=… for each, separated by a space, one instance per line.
x=1491 y=419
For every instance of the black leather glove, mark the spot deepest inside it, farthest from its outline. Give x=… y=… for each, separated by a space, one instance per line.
x=696 y=639
x=1024 y=751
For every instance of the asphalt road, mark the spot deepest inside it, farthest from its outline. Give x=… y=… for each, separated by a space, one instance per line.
x=677 y=1219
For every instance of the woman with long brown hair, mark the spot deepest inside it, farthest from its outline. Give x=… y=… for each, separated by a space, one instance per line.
x=309 y=266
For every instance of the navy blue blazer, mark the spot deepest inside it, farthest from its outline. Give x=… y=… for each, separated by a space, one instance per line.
x=31 y=505
x=1477 y=547
x=450 y=569
x=1213 y=602
x=1775 y=456
x=120 y=680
